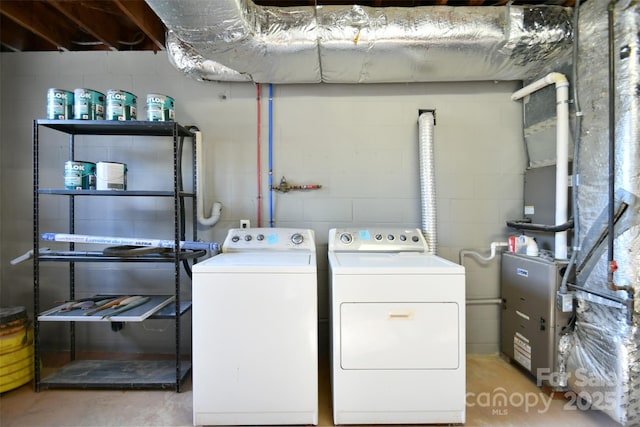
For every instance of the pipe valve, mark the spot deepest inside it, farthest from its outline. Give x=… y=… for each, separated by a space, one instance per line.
x=284 y=186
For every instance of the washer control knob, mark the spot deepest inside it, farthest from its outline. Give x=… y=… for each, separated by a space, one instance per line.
x=235 y=239
x=247 y=238
x=297 y=238
x=378 y=237
x=403 y=237
x=346 y=238
x=260 y=237
x=390 y=237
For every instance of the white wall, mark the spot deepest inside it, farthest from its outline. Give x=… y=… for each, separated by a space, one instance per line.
x=358 y=141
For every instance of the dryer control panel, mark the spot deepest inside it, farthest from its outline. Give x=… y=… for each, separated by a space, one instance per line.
x=276 y=239
x=377 y=240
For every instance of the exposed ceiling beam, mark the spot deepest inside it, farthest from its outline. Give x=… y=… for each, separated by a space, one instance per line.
x=89 y=20
x=141 y=14
x=37 y=17
x=15 y=38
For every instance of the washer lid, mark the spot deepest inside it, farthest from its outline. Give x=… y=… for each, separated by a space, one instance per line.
x=259 y=261
x=391 y=263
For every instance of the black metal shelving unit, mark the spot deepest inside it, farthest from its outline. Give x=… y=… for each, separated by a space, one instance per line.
x=115 y=374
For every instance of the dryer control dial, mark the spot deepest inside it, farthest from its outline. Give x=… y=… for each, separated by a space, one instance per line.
x=235 y=238
x=297 y=238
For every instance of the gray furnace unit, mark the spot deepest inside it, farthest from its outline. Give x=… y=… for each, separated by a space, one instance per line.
x=531 y=324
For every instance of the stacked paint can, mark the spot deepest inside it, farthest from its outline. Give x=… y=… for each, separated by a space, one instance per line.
x=79 y=175
x=160 y=108
x=16 y=348
x=121 y=105
x=88 y=104
x=59 y=104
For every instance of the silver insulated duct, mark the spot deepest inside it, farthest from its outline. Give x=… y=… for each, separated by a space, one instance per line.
x=604 y=357
x=426 y=123
x=230 y=40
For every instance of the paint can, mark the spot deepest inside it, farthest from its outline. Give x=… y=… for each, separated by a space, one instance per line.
x=79 y=175
x=88 y=104
x=59 y=104
x=121 y=105
x=16 y=348
x=111 y=176
x=160 y=108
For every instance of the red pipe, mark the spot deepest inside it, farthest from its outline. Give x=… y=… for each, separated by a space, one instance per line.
x=259 y=159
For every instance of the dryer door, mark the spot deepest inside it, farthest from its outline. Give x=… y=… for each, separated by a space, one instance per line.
x=387 y=335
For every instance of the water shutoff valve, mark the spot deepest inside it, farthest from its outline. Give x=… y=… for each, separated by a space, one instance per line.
x=284 y=186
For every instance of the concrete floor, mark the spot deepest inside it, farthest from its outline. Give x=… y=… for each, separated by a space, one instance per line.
x=486 y=376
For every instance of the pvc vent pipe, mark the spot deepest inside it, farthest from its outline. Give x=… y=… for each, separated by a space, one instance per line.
x=426 y=123
x=216 y=209
x=562 y=150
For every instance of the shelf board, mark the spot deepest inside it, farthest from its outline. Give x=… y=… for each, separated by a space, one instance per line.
x=117 y=374
x=97 y=256
x=136 y=314
x=113 y=127
x=125 y=193
x=169 y=311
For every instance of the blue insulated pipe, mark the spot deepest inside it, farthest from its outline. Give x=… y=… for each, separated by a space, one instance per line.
x=271 y=155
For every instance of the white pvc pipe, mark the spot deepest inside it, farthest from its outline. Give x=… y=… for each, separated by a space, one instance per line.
x=216 y=209
x=493 y=247
x=562 y=150
x=426 y=123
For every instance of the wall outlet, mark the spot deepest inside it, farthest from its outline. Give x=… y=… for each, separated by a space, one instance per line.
x=245 y=223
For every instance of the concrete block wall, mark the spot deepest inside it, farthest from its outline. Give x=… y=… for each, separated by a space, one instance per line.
x=360 y=142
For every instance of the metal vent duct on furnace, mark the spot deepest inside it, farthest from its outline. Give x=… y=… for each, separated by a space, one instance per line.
x=236 y=40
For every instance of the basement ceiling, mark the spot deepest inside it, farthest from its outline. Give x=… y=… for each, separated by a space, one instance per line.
x=120 y=25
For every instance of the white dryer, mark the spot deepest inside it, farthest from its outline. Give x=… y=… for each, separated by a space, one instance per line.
x=255 y=339
x=398 y=329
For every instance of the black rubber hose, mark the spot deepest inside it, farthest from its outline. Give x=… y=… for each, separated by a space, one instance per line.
x=185 y=263
x=541 y=227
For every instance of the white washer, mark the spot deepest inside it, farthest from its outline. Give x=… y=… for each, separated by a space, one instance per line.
x=398 y=329
x=255 y=337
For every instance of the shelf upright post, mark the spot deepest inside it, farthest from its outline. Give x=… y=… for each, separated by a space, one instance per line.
x=72 y=265
x=176 y=229
x=36 y=260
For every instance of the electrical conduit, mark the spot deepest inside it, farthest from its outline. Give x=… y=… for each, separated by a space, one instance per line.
x=562 y=150
x=426 y=124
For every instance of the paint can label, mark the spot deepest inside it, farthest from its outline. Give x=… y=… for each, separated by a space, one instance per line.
x=79 y=175
x=160 y=108
x=111 y=176
x=121 y=105
x=88 y=104
x=59 y=104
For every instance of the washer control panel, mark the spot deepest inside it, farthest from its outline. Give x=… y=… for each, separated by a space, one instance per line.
x=279 y=239
x=377 y=240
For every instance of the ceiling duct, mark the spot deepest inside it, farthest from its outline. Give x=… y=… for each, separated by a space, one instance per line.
x=231 y=40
